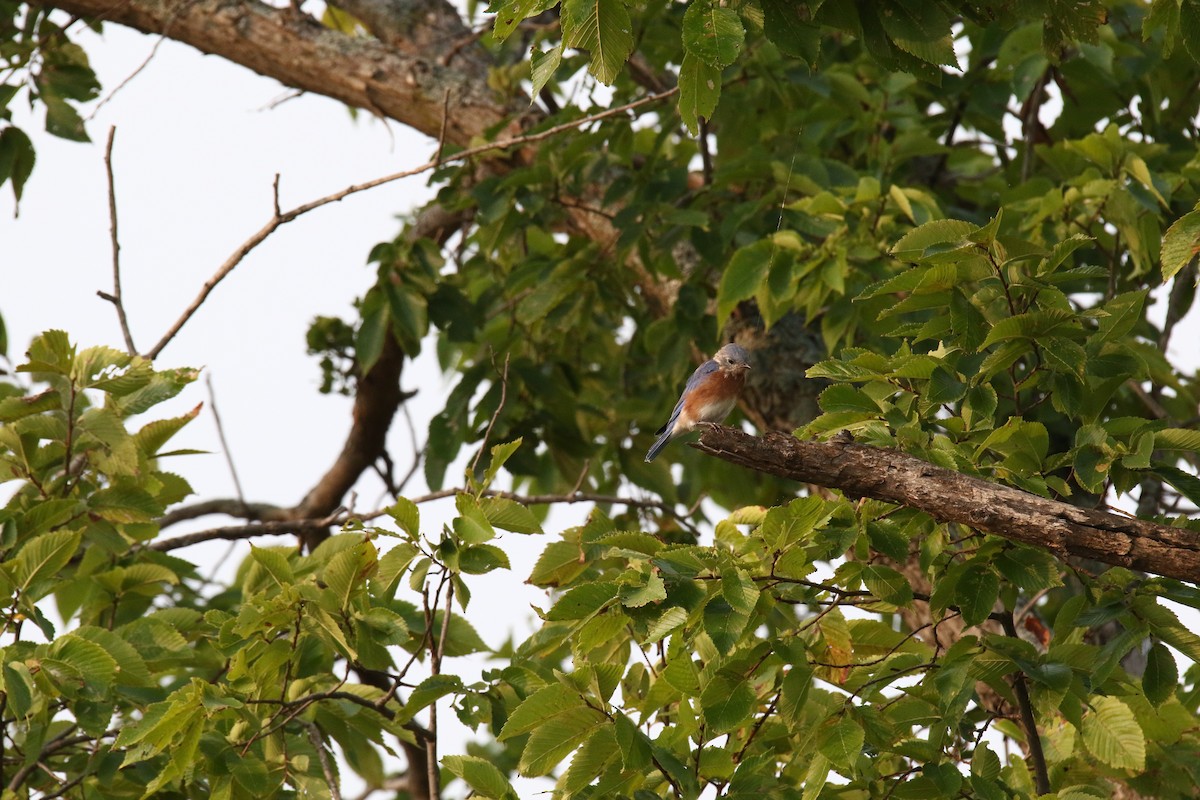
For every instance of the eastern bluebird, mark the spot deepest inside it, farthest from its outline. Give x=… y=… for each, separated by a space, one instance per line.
x=709 y=395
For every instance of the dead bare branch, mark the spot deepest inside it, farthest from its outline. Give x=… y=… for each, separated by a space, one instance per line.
x=115 y=297
x=279 y=219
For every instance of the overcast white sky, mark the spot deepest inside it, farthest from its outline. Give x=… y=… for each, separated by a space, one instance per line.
x=195 y=156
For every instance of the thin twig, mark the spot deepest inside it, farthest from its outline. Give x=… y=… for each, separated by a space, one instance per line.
x=145 y=63
x=237 y=484
x=441 y=150
x=280 y=219
x=279 y=527
x=495 y=414
x=314 y=736
x=115 y=297
x=1040 y=776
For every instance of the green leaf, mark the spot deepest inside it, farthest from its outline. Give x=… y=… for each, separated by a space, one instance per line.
x=1180 y=244
x=887 y=584
x=16 y=159
x=699 y=91
x=484 y=778
x=509 y=515
x=559 y=564
x=1112 y=734
x=373 y=330
x=15 y=408
x=546 y=702
x=275 y=563
x=712 y=33
x=723 y=624
x=556 y=737
x=792 y=34
x=671 y=620
x=124 y=504
x=1177 y=439
x=653 y=591
x=1161 y=677
x=1185 y=483
x=152 y=436
x=405 y=514
x=499 y=455
x=480 y=559
x=543 y=65
x=63 y=120
x=41 y=559
x=920 y=29
x=727 y=705
x=603 y=28
x=975 y=593
x=511 y=13
x=1030 y=325
x=842 y=743
x=943 y=234
x=583 y=601
x=346 y=572
x=427 y=692
x=1122 y=313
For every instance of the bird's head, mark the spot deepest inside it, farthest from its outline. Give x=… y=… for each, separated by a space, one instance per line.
x=733 y=358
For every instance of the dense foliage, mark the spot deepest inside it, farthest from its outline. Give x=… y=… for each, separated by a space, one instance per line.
x=954 y=213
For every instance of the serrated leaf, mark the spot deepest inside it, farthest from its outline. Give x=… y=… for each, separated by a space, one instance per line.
x=543 y=65
x=603 y=28
x=479 y=559
x=671 y=620
x=712 y=33
x=975 y=593
x=583 y=601
x=727 y=705
x=427 y=692
x=1161 y=677
x=546 y=702
x=653 y=591
x=15 y=408
x=556 y=737
x=346 y=572
x=699 y=91
x=1177 y=439
x=499 y=454
x=842 y=743
x=42 y=558
x=406 y=515
x=942 y=233
x=16 y=159
x=887 y=584
x=1112 y=734
x=793 y=35
x=509 y=515
x=1180 y=244
x=484 y=778
x=511 y=13
x=152 y=436
x=559 y=564
x=275 y=563
x=1030 y=325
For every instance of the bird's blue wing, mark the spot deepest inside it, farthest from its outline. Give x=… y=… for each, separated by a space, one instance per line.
x=707 y=368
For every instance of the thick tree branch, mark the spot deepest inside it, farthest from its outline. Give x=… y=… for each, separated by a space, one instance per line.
x=297 y=51
x=1063 y=529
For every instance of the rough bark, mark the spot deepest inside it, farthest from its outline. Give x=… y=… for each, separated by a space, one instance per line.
x=889 y=475
x=400 y=83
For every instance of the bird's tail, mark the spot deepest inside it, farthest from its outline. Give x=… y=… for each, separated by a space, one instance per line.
x=662 y=441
